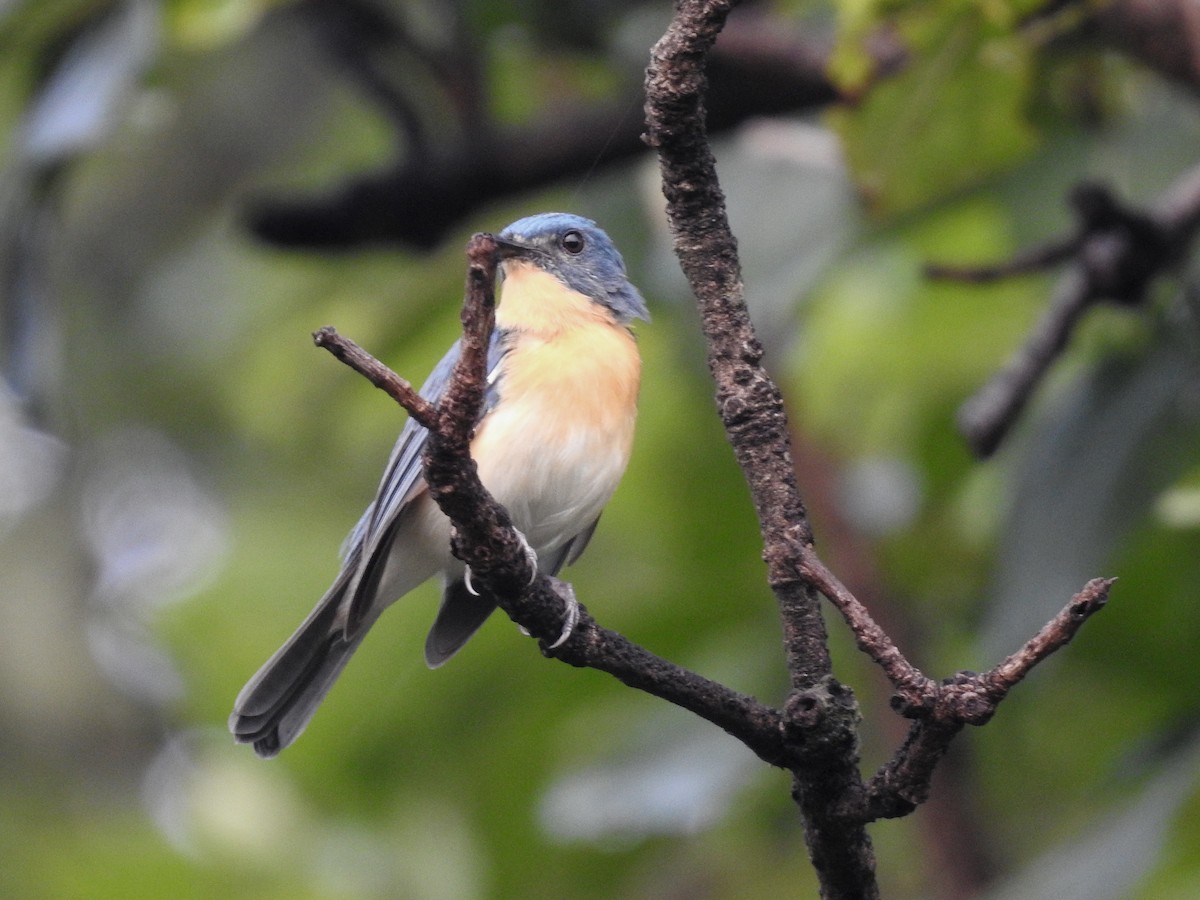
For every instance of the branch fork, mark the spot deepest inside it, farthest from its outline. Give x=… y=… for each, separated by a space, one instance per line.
x=820 y=718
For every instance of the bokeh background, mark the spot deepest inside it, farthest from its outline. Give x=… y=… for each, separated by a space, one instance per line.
x=189 y=188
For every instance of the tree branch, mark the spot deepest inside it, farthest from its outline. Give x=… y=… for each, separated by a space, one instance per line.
x=354 y=356
x=821 y=715
x=1161 y=34
x=908 y=681
x=815 y=735
x=748 y=401
x=967 y=698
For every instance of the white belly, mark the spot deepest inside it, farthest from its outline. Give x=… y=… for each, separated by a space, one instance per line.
x=555 y=447
x=553 y=485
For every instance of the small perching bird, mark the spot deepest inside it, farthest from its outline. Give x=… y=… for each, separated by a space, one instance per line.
x=551 y=446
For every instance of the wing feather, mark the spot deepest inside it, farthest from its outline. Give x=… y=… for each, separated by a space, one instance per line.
x=368 y=544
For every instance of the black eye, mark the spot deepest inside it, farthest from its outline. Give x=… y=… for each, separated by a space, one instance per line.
x=571 y=241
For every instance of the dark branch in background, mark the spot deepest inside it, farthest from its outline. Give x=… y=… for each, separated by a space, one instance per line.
x=352 y=32
x=1116 y=251
x=1161 y=34
x=1114 y=255
x=761 y=70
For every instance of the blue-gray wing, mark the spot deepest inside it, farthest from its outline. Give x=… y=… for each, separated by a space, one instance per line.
x=403 y=479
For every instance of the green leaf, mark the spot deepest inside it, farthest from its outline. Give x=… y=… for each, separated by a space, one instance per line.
x=954 y=116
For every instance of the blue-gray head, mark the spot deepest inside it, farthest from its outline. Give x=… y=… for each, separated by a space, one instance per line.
x=577 y=252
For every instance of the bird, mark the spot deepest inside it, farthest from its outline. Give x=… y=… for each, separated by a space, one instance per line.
x=553 y=440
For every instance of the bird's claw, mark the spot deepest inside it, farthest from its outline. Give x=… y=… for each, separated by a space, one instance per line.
x=571 y=618
x=467 y=582
x=531 y=556
x=562 y=588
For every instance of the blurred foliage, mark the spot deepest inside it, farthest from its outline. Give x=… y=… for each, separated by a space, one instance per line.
x=969 y=67
x=178 y=466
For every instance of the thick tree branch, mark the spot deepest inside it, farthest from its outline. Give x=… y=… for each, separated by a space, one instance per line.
x=761 y=68
x=821 y=715
x=749 y=402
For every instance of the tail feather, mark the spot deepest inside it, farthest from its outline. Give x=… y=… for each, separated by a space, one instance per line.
x=276 y=704
x=459 y=617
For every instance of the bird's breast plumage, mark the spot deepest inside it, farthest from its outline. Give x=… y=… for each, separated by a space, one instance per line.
x=557 y=442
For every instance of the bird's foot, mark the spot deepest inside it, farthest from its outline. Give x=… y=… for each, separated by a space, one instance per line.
x=570 y=617
x=531 y=557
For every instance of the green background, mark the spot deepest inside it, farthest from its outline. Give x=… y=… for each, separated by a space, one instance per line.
x=175 y=493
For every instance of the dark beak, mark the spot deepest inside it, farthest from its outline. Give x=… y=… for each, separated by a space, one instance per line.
x=509 y=249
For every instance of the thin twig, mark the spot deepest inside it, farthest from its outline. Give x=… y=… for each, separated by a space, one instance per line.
x=1056 y=634
x=350 y=353
x=908 y=681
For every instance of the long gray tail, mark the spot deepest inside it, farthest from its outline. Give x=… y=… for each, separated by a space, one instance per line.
x=275 y=705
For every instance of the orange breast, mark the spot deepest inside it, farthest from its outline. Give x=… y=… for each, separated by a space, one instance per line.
x=555 y=446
